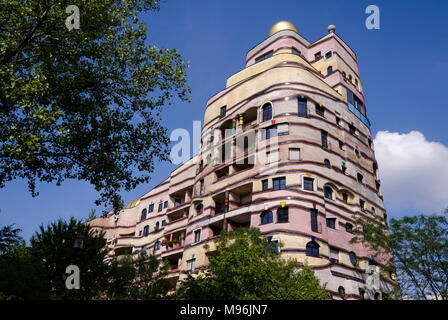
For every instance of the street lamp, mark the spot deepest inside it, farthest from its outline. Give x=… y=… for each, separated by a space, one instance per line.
x=78 y=241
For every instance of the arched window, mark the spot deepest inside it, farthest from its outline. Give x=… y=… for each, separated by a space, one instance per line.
x=267 y=217
x=157 y=226
x=145 y=231
x=282 y=215
x=373 y=211
x=344 y=75
x=199 y=209
x=143 y=216
x=157 y=245
x=360 y=177
x=352 y=256
x=327 y=163
x=349 y=227
x=312 y=249
x=328 y=192
x=341 y=292
x=267 y=111
x=329 y=70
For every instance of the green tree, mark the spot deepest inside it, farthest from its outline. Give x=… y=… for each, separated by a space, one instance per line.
x=142 y=278
x=20 y=277
x=64 y=243
x=414 y=250
x=92 y=215
x=245 y=266
x=9 y=238
x=84 y=104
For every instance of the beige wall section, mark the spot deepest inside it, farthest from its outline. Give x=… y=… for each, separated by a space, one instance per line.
x=265 y=78
x=338 y=64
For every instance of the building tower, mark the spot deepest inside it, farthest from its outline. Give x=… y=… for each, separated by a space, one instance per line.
x=286 y=147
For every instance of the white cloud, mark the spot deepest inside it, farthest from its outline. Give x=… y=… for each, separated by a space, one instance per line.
x=413 y=172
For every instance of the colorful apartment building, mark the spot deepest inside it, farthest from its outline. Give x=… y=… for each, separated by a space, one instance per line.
x=286 y=147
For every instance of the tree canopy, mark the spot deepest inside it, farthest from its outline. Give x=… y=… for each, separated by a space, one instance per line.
x=414 y=250
x=39 y=271
x=245 y=266
x=84 y=103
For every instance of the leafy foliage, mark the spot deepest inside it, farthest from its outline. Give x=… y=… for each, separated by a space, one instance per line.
x=38 y=272
x=141 y=278
x=9 y=237
x=83 y=104
x=415 y=250
x=53 y=249
x=245 y=266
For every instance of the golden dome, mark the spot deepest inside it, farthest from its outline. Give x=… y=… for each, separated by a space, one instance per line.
x=133 y=203
x=282 y=25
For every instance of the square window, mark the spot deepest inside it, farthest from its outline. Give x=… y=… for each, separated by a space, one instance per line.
x=317 y=55
x=160 y=207
x=328 y=55
x=151 y=207
x=279 y=183
x=223 y=111
x=294 y=154
x=331 y=223
x=308 y=184
x=165 y=204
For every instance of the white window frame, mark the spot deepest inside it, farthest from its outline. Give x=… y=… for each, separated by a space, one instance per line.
x=194 y=235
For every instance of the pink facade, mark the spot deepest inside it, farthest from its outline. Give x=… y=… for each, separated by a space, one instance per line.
x=320 y=145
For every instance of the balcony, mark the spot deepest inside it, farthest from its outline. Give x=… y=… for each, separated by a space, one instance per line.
x=180 y=223
x=359 y=115
x=240 y=196
x=178 y=212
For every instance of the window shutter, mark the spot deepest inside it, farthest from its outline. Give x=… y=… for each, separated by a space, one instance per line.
x=294 y=154
x=273 y=156
x=282 y=129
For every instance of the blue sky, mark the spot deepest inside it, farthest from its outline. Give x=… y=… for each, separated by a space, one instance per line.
x=403 y=70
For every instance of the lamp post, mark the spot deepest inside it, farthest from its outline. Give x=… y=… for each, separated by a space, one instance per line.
x=78 y=241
